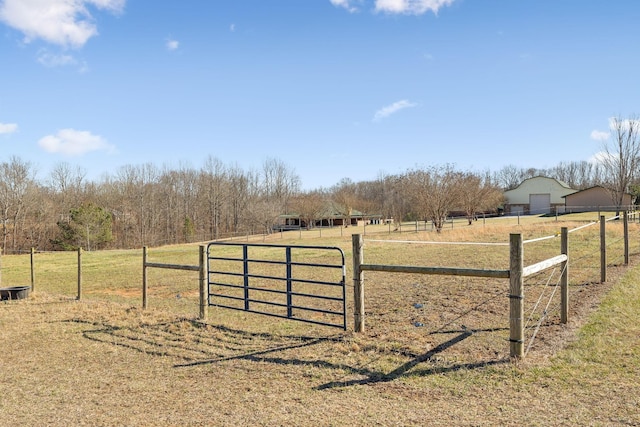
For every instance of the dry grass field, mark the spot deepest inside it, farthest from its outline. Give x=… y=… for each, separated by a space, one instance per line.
x=434 y=351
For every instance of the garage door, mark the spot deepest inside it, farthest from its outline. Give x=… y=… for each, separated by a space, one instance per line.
x=539 y=204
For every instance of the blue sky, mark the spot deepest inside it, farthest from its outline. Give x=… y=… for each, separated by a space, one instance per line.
x=333 y=88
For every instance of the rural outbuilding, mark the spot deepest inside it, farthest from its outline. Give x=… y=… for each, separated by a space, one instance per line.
x=331 y=215
x=595 y=198
x=536 y=196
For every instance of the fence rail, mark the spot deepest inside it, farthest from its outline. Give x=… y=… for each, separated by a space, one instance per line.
x=516 y=274
x=447 y=271
x=201 y=267
x=595 y=262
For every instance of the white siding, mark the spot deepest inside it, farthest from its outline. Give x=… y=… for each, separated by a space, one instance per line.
x=538 y=185
x=539 y=204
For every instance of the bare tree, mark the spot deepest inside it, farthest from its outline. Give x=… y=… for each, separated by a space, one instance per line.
x=137 y=187
x=344 y=195
x=67 y=181
x=270 y=191
x=577 y=174
x=509 y=177
x=308 y=206
x=215 y=192
x=621 y=157
x=394 y=203
x=435 y=192
x=263 y=209
x=16 y=178
x=238 y=199
x=279 y=182
x=478 y=194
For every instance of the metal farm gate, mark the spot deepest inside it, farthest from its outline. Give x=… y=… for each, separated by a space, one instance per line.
x=279 y=281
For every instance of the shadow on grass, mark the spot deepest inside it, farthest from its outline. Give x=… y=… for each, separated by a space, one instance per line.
x=197 y=344
x=372 y=377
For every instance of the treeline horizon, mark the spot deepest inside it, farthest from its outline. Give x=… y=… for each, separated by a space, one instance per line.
x=147 y=205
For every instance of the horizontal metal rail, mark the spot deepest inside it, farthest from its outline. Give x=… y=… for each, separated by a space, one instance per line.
x=270 y=246
x=297 y=283
x=265 y=313
x=275 y=291
x=263 y=261
x=276 y=304
x=261 y=276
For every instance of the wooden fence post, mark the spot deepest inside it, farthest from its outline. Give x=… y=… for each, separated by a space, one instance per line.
x=33 y=271
x=144 y=277
x=79 y=274
x=358 y=285
x=625 y=217
x=516 y=297
x=204 y=291
x=603 y=250
x=564 y=278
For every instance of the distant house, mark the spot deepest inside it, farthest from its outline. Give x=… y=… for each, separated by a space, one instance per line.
x=592 y=199
x=333 y=215
x=536 y=196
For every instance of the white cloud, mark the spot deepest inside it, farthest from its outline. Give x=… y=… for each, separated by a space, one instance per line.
x=599 y=135
x=232 y=28
x=172 y=44
x=411 y=7
x=73 y=142
x=601 y=157
x=8 y=128
x=66 y=23
x=392 y=109
x=346 y=4
x=51 y=60
x=616 y=123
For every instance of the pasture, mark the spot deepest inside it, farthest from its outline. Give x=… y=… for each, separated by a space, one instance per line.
x=435 y=349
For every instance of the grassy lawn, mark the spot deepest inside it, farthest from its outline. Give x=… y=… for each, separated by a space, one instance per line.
x=434 y=352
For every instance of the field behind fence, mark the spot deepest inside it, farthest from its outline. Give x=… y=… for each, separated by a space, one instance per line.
x=434 y=351
x=463 y=321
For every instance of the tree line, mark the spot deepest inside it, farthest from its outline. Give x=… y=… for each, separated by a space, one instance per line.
x=140 y=205
x=145 y=205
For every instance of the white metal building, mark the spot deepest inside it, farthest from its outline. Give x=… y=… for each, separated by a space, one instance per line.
x=537 y=196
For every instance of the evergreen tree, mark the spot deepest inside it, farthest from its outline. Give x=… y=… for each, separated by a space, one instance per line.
x=89 y=227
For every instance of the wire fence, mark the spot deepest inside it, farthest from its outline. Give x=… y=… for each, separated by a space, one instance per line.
x=410 y=312
x=592 y=249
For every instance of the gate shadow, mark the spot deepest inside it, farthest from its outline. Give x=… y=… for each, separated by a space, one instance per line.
x=372 y=376
x=196 y=344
